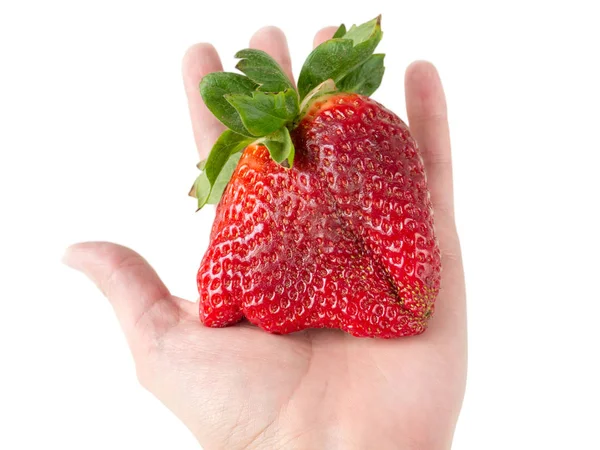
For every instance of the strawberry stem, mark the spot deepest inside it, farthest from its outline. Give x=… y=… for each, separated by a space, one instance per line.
x=262 y=105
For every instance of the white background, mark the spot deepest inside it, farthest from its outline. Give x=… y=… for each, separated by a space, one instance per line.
x=95 y=143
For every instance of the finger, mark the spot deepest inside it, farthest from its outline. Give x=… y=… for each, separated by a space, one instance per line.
x=272 y=41
x=427 y=116
x=199 y=60
x=141 y=301
x=324 y=35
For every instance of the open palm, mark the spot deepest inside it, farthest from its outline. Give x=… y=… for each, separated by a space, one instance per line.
x=240 y=387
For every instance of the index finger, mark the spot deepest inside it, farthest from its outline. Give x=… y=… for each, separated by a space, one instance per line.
x=200 y=60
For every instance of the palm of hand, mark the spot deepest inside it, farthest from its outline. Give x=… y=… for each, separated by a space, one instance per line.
x=256 y=390
x=240 y=387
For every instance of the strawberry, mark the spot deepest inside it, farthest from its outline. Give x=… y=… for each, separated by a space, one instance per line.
x=323 y=216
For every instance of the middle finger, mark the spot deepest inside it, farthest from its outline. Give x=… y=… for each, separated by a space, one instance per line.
x=272 y=41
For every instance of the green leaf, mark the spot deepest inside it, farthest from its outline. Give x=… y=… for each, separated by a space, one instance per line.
x=263 y=70
x=336 y=58
x=281 y=147
x=214 y=86
x=362 y=33
x=366 y=78
x=223 y=179
x=227 y=144
x=201 y=189
x=208 y=193
x=341 y=31
x=218 y=167
x=263 y=113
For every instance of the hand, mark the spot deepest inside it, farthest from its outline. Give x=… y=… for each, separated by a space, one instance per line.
x=240 y=387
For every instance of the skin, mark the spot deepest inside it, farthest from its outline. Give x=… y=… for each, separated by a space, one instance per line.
x=241 y=388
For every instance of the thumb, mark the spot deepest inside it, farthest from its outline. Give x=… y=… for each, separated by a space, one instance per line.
x=142 y=303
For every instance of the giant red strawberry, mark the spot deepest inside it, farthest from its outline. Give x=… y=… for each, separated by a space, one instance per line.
x=323 y=216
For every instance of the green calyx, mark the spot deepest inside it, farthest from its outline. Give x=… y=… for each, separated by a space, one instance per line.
x=262 y=106
x=342 y=58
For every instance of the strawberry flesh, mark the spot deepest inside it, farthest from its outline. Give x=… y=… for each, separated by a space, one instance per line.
x=344 y=239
